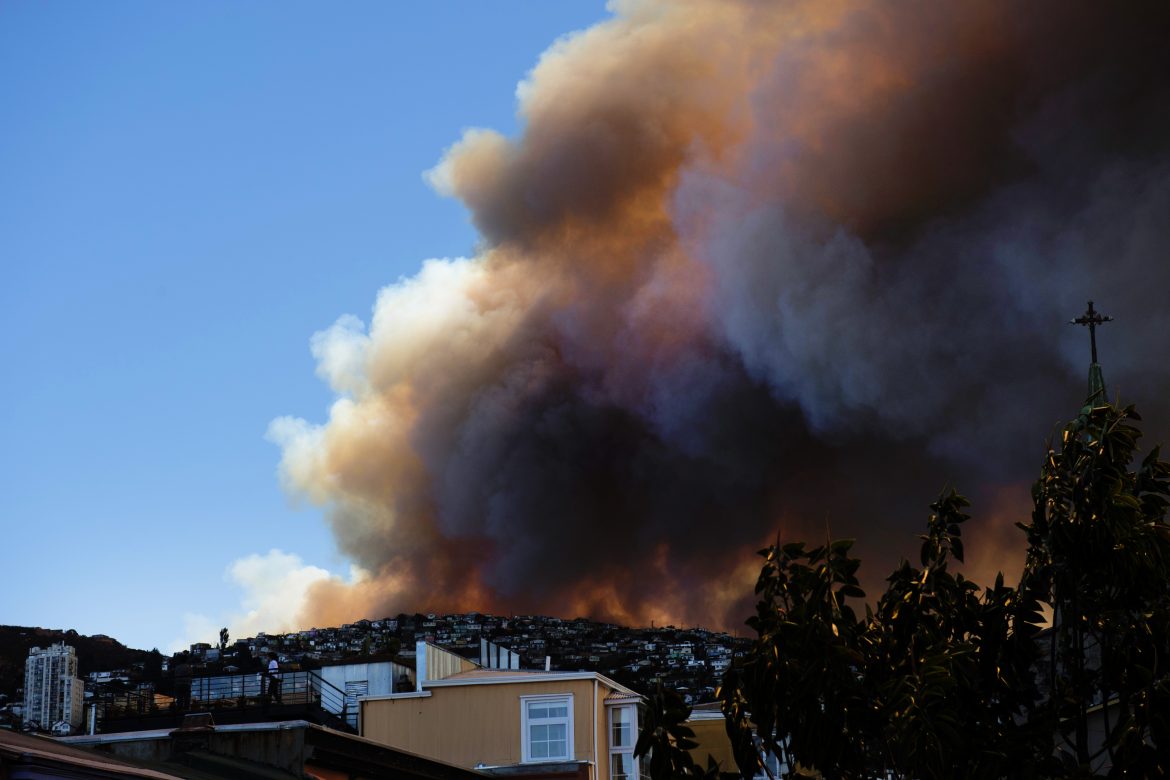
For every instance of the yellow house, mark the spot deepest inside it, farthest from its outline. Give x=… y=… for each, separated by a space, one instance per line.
x=710 y=729
x=538 y=724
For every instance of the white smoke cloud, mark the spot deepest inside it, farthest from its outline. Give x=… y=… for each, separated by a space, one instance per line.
x=341 y=352
x=274 y=590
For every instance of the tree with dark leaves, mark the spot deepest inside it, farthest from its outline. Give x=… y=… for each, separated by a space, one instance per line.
x=1099 y=560
x=1065 y=675
x=665 y=740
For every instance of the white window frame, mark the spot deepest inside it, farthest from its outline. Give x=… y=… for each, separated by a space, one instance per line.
x=525 y=747
x=635 y=730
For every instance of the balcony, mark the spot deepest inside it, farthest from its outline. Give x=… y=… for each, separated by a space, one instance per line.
x=231 y=698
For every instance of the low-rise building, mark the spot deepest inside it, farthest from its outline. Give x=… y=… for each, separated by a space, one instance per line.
x=201 y=749
x=539 y=724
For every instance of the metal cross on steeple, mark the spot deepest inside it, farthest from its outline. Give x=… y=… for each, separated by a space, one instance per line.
x=1092 y=319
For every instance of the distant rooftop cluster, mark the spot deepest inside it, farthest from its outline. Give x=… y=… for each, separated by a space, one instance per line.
x=689 y=660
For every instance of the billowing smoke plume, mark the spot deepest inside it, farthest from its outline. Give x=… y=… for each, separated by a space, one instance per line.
x=751 y=268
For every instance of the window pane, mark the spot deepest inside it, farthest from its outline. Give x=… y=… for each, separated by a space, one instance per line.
x=622 y=766
x=549 y=722
x=623 y=727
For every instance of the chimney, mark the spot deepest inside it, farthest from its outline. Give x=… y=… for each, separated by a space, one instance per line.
x=420 y=664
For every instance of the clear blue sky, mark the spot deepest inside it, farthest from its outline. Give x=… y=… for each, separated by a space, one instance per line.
x=187 y=193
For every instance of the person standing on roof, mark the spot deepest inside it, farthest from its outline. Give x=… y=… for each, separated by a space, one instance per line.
x=273 y=678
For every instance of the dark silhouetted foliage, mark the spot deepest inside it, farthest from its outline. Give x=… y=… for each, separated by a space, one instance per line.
x=942 y=678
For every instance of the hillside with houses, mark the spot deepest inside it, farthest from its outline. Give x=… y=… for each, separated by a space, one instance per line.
x=689 y=660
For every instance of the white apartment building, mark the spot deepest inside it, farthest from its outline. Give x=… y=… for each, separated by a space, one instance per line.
x=53 y=693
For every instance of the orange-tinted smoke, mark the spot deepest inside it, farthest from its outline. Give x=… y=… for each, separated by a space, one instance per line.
x=747 y=265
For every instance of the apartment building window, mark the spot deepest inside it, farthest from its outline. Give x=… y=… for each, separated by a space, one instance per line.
x=623 y=735
x=546 y=728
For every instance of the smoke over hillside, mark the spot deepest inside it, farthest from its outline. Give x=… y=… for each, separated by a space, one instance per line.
x=751 y=268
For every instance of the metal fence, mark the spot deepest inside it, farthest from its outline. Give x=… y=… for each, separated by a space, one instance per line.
x=257 y=694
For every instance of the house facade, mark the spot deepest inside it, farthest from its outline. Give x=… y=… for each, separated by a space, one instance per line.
x=510 y=721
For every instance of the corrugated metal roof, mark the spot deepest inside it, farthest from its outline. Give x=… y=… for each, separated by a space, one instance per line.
x=491 y=676
x=488 y=673
x=622 y=696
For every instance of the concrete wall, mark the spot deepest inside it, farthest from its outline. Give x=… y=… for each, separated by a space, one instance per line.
x=283 y=748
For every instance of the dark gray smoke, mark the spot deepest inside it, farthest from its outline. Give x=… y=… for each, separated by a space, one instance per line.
x=752 y=268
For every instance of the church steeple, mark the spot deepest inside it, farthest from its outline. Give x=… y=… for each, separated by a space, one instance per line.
x=1092 y=318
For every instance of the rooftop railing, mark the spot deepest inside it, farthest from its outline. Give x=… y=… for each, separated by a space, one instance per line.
x=247 y=697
